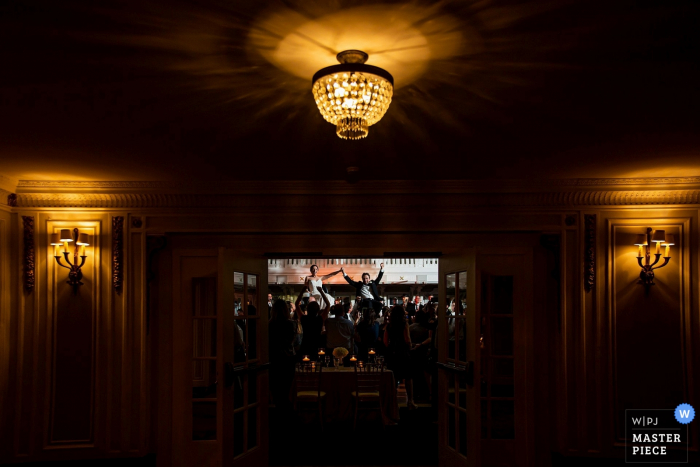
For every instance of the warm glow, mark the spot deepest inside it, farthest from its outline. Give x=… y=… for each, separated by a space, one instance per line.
x=669 y=241
x=399 y=37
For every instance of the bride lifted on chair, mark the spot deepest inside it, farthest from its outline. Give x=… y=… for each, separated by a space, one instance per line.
x=315 y=285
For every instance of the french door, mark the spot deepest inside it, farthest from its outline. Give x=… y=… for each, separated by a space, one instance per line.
x=458 y=362
x=220 y=386
x=485 y=358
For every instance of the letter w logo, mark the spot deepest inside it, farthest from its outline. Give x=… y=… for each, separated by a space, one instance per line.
x=684 y=413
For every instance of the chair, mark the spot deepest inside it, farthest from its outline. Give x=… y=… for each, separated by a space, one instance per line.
x=368 y=381
x=307 y=388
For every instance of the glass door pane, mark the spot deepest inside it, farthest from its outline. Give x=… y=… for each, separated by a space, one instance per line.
x=245 y=350
x=497 y=356
x=204 y=342
x=458 y=410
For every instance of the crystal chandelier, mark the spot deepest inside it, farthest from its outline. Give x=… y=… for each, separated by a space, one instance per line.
x=352 y=96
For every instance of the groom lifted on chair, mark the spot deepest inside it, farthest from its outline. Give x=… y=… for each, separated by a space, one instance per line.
x=367 y=289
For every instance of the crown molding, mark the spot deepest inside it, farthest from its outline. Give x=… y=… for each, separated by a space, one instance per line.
x=341 y=187
x=338 y=195
x=292 y=202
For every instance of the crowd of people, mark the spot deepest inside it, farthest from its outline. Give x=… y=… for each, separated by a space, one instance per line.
x=403 y=334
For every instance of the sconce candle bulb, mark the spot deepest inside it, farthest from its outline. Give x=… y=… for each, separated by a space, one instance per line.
x=56 y=243
x=669 y=242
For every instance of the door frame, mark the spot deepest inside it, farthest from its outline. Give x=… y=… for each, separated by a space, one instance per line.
x=335 y=245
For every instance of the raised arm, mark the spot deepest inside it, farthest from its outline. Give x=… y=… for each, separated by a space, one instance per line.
x=328 y=276
x=297 y=304
x=324 y=297
x=324 y=314
x=348 y=280
x=381 y=273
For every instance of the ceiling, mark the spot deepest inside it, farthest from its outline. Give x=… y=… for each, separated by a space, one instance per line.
x=221 y=90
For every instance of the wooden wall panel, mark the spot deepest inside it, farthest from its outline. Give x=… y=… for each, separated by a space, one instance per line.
x=571 y=343
x=73 y=344
x=137 y=406
x=648 y=353
x=6 y=339
x=114 y=334
x=27 y=360
x=591 y=331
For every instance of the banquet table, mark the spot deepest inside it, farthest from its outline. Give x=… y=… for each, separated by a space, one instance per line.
x=340 y=383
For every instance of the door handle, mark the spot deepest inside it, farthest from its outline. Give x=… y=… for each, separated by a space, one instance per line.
x=232 y=372
x=252 y=368
x=465 y=373
x=236 y=373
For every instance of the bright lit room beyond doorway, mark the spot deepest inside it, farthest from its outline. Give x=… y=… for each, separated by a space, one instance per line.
x=346 y=303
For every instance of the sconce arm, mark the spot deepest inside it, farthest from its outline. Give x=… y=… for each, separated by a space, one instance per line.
x=639 y=260
x=82 y=261
x=58 y=260
x=666 y=260
x=658 y=257
x=65 y=255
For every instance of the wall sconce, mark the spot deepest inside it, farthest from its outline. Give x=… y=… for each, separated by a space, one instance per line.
x=659 y=237
x=62 y=240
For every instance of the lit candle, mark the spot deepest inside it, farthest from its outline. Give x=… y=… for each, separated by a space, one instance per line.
x=55 y=250
x=82 y=250
x=306 y=358
x=640 y=250
x=658 y=247
x=65 y=246
x=668 y=249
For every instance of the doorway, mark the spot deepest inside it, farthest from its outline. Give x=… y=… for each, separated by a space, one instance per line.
x=408 y=415
x=494 y=404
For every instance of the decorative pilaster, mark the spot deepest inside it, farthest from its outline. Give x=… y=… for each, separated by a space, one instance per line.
x=28 y=224
x=589 y=252
x=117 y=245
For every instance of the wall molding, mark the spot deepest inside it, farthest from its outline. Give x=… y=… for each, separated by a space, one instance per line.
x=621 y=258
x=29 y=259
x=117 y=252
x=556 y=199
x=589 y=252
x=75 y=324
x=340 y=186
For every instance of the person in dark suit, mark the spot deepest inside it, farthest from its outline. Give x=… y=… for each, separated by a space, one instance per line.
x=410 y=308
x=367 y=289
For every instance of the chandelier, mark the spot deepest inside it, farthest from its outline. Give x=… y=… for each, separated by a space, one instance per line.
x=352 y=96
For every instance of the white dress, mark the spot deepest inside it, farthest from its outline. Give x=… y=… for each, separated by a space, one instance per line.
x=314 y=285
